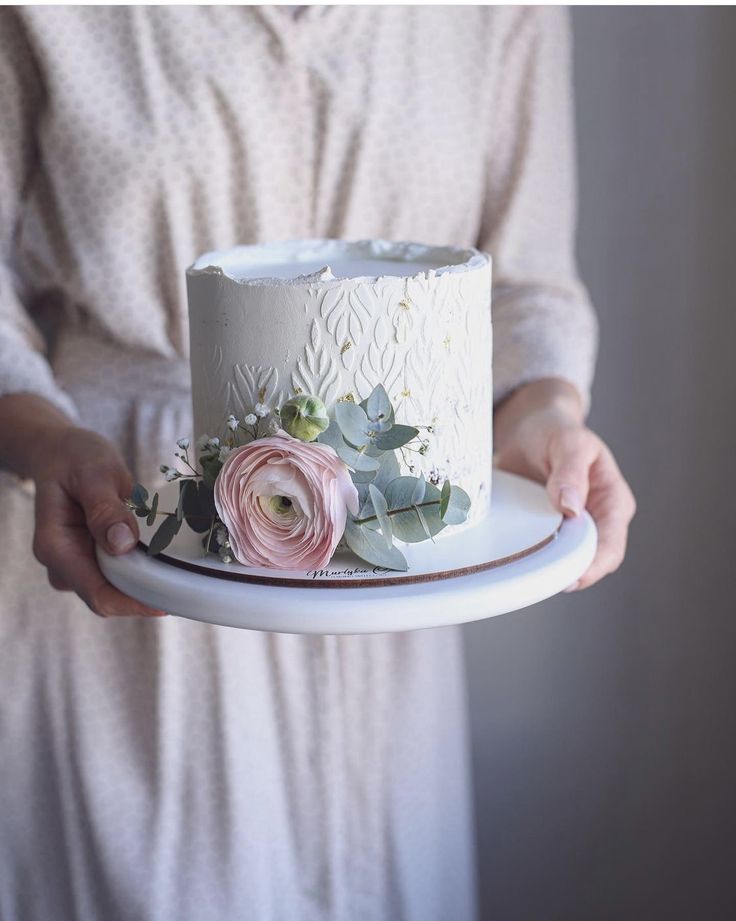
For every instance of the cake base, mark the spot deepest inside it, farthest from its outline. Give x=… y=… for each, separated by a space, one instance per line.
x=521 y=554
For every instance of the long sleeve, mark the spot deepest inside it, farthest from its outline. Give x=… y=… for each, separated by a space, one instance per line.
x=544 y=324
x=23 y=366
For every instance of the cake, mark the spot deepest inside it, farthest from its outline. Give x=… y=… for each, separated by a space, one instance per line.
x=342 y=399
x=334 y=319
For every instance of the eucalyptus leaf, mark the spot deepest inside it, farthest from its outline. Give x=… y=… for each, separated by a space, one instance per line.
x=444 y=498
x=399 y=492
x=198 y=505
x=423 y=521
x=388 y=470
x=211 y=467
x=139 y=496
x=413 y=529
x=457 y=507
x=353 y=423
x=356 y=459
x=370 y=546
x=152 y=513
x=419 y=490
x=379 y=410
x=363 y=477
x=367 y=510
x=381 y=512
x=166 y=533
x=382 y=424
x=206 y=496
x=332 y=436
x=362 y=493
x=180 y=503
x=396 y=437
x=407 y=525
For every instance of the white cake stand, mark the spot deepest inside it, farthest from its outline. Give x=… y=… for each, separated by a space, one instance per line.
x=523 y=553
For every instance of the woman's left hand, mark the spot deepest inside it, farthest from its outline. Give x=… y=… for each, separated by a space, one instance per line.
x=540 y=434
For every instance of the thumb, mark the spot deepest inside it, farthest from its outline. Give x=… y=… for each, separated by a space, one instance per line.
x=110 y=521
x=571 y=454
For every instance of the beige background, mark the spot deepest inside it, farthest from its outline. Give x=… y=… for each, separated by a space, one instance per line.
x=604 y=723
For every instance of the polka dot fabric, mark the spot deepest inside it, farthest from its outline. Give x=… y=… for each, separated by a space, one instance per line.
x=173 y=770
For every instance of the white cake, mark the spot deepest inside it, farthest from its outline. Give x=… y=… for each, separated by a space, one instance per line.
x=333 y=319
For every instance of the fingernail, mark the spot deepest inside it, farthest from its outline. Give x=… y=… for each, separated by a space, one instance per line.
x=120 y=537
x=573 y=587
x=571 y=500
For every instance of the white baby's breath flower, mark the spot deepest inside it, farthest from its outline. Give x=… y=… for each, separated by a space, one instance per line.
x=171 y=474
x=251 y=419
x=202 y=441
x=262 y=410
x=273 y=426
x=183 y=443
x=224 y=451
x=212 y=443
x=232 y=422
x=221 y=534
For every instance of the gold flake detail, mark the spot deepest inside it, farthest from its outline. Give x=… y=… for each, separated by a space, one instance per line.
x=347 y=344
x=347 y=398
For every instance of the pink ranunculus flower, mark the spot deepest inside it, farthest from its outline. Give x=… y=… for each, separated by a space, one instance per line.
x=284 y=502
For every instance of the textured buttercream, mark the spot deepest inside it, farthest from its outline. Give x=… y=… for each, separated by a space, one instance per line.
x=426 y=336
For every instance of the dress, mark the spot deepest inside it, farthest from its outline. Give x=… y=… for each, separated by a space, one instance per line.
x=170 y=770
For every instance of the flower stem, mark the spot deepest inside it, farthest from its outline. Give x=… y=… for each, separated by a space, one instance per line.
x=209 y=535
x=398 y=511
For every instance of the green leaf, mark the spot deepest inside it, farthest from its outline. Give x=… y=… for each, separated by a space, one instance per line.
x=380 y=510
x=399 y=492
x=332 y=436
x=211 y=467
x=379 y=410
x=370 y=546
x=419 y=490
x=197 y=505
x=457 y=505
x=356 y=459
x=423 y=522
x=206 y=496
x=444 y=498
x=139 y=496
x=180 y=503
x=362 y=477
x=166 y=533
x=408 y=525
x=353 y=423
x=395 y=437
x=152 y=514
x=388 y=470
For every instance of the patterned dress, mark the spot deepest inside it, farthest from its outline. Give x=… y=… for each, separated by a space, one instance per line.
x=174 y=771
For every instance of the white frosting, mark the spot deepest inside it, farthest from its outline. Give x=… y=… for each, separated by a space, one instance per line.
x=335 y=318
x=298 y=262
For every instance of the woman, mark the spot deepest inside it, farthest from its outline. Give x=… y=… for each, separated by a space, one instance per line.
x=160 y=769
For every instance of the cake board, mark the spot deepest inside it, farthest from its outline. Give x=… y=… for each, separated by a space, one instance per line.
x=523 y=553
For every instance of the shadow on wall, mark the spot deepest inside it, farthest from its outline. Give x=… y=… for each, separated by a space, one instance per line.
x=603 y=722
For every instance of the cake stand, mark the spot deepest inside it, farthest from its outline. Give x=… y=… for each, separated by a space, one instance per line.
x=523 y=553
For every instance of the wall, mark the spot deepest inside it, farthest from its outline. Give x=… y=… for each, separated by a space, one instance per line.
x=603 y=722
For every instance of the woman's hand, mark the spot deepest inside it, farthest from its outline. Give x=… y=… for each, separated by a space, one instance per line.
x=81 y=487
x=540 y=433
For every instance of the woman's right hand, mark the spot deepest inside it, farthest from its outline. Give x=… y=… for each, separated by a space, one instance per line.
x=81 y=487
